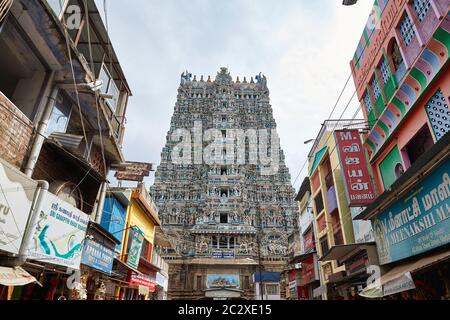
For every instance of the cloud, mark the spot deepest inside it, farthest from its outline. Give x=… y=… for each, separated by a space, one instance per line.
x=304 y=48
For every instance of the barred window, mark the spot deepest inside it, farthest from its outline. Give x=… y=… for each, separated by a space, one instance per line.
x=368 y=103
x=421 y=8
x=407 y=30
x=385 y=72
x=376 y=88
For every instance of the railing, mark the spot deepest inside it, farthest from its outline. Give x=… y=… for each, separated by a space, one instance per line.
x=158 y=261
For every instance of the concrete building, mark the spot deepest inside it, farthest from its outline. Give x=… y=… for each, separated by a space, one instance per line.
x=403 y=83
x=340 y=186
x=63 y=100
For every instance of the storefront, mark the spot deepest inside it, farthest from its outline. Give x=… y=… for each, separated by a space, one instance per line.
x=97 y=262
x=357 y=259
x=306 y=276
x=411 y=224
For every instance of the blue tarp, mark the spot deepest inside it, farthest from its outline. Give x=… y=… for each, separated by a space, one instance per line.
x=270 y=277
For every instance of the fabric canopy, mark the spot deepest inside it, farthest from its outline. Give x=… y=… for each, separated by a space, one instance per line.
x=15 y=277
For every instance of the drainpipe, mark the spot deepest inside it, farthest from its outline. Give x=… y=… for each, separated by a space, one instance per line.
x=38 y=203
x=100 y=204
x=42 y=127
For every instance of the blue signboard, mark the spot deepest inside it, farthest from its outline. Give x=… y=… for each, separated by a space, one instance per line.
x=97 y=256
x=417 y=223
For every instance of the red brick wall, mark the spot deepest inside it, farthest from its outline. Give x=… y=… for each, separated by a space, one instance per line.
x=15 y=133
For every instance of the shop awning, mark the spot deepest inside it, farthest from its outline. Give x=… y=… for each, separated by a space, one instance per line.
x=399 y=278
x=342 y=251
x=16 y=277
x=317 y=159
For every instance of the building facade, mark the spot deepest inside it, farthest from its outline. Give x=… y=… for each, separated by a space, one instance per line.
x=341 y=186
x=228 y=216
x=63 y=100
x=402 y=78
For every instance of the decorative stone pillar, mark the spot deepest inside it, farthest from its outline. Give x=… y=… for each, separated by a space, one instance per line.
x=100 y=291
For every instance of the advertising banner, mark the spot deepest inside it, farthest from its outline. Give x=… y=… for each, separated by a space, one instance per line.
x=59 y=234
x=222 y=281
x=418 y=222
x=137 y=240
x=97 y=256
x=16 y=198
x=355 y=172
x=142 y=280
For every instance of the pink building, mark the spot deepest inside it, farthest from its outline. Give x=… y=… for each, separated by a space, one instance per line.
x=402 y=78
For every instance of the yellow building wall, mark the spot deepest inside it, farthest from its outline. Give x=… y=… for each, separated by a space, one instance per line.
x=137 y=217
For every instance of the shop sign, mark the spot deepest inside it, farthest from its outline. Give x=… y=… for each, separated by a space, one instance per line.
x=403 y=283
x=16 y=199
x=308 y=271
x=308 y=241
x=161 y=280
x=356 y=264
x=223 y=281
x=97 y=256
x=142 y=280
x=133 y=171
x=362 y=229
x=137 y=240
x=355 y=171
x=59 y=234
x=222 y=254
x=418 y=222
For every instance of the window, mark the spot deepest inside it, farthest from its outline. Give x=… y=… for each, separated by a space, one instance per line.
x=439 y=114
x=56 y=6
x=368 y=103
x=420 y=144
x=407 y=30
x=324 y=245
x=214 y=242
x=109 y=87
x=223 y=218
x=385 y=72
x=60 y=116
x=223 y=243
x=319 y=203
x=376 y=88
x=421 y=8
x=146 y=252
x=399 y=170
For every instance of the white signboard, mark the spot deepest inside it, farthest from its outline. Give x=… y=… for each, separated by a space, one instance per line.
x=16 y=198
x=362 y=229
x=403 y=283
x=59 y=234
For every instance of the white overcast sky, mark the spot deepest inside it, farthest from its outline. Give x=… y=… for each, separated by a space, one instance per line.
x=303 y=47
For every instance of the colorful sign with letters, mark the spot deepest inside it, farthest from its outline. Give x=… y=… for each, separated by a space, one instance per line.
x=59 y=234
x=359 y=187
x=16 y=198
x=137 y=239
x=97 y=256
x=417 y=223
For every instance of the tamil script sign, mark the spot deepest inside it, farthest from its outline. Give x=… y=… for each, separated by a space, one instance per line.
x=133 y=171
x=417 y=223
x=16 y=198
x=97 y=256
x=354 y=168
x=59 y=234
x=137 y=239
x=142 y=280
